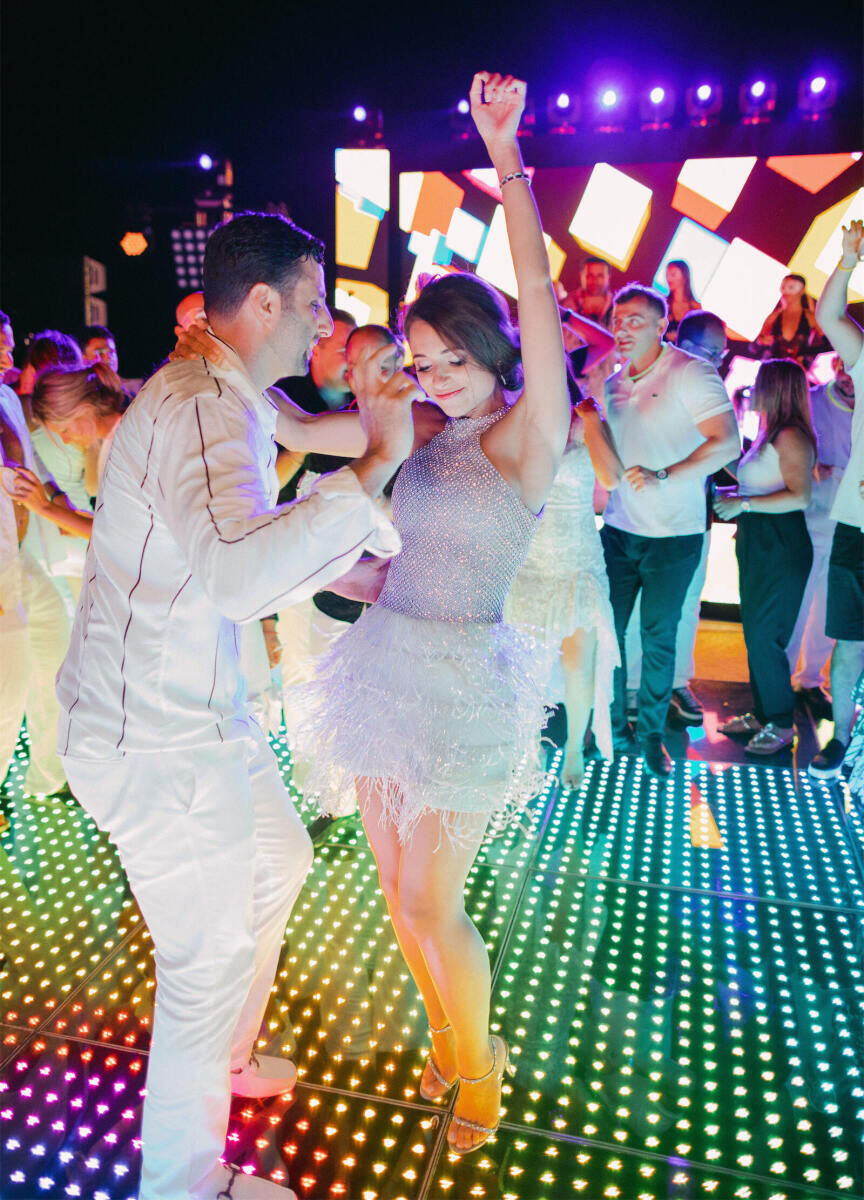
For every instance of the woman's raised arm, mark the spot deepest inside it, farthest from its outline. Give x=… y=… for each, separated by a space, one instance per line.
x=531 y=440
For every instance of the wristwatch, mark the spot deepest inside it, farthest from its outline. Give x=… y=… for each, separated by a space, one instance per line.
x=662 y=474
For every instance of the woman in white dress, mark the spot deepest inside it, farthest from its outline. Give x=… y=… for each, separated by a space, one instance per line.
x=563 y=589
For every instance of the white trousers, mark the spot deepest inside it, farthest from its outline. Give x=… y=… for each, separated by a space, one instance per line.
x=34 y=638
x=216 y=856
x=685 y=638
x=809 y=650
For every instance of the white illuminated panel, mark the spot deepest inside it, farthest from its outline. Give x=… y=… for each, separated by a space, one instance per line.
x=699 y=248
x=365 y=175
x=744 y=289
x=612 y=214
x=410 y=183
x=827 y=260
x=496 y=261
x=719 y=180
x=353 y=305
x=465 y=235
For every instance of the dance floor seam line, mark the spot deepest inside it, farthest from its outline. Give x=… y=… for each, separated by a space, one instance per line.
x=744 y=897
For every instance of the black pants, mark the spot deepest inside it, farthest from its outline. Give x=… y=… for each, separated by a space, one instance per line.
x=774 y=555
x=662 y=568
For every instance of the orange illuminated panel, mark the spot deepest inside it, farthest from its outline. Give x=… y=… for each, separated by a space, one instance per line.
x=438 y=199
x=698 y=208
x=812 y=172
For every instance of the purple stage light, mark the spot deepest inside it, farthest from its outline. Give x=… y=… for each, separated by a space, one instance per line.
x=359 y=114
x=608 y=97
x=563 y=100
x=703 y=92
x=818 y=84
x=205 y=162
x=757 y=89
x=657 y=95
x=463 y=107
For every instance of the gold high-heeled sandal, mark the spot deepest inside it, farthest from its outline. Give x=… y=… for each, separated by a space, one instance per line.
x=446 y=1085
x=508 y=1068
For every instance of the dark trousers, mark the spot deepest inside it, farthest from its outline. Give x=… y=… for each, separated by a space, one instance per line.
x=662 y=568
x=774 y=555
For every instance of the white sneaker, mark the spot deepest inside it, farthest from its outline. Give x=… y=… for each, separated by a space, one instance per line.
x=264 y=1076
x=230 y=1183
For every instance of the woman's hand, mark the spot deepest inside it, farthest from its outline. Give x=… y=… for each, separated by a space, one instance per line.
x=26 y=489
x=195 y=342
x=728 y=504
x=853 y=242
x=497 y=104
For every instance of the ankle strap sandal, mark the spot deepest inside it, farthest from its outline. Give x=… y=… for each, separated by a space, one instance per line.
x=445 y=1084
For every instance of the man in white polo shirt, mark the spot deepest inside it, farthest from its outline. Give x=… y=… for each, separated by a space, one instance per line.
x=674 y=426
x=156 y=736
x=844 y=618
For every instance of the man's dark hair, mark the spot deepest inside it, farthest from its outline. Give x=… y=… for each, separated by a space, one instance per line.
x=637 y=291
x=344 y=317
x=4 y=319
x=254 y=248
x=694 y=325
x=592 y=258
x=90 y=332
x=51 y=348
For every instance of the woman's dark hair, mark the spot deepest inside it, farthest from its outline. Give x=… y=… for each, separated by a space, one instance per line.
x=470 y=315
x=805 y=299
x=781 y=392
x=684 y=268
x=51 y=348
x=253 y=248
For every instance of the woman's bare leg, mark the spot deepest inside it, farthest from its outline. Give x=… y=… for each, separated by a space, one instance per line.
x=432 y=880
x=578 y=660
x=387 y=850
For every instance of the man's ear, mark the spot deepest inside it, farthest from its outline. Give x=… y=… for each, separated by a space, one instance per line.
x=265 y=304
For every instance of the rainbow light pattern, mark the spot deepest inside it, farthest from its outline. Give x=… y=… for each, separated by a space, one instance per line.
x=677 y=968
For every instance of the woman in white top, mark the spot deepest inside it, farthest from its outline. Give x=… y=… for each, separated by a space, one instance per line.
x=772 y=546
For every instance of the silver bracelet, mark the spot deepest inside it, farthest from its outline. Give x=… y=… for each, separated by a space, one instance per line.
x=515 y=175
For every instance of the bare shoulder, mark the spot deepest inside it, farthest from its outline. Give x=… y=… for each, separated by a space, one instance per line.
x=793 y=442
x=429 y=421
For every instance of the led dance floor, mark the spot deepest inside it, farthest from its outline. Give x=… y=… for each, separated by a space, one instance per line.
x=677 y=967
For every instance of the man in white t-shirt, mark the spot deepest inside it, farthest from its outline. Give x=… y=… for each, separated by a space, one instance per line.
x=844 y=618
x=673 y=426
x=156 y=734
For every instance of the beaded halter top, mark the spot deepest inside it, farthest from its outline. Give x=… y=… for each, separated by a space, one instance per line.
x=465 y=533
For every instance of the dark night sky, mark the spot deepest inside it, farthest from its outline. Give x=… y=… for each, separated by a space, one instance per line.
x=105 y=106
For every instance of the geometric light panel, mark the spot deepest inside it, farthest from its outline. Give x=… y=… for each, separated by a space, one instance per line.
x=700 y=249
x=819 y=250
x=355 y=233
x=612 y=214
x=744 y=289
x=365 y=175
x=708 y=188
x=366 y=302
x=811 y=171
x=495 y=263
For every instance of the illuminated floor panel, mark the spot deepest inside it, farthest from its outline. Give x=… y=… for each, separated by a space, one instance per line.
x=686 y=1017
x=783 y=838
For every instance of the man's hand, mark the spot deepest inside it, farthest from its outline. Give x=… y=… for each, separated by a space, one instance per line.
x=384 y=406
x=271 y=641
x=363 y=582
x=195 y=342
x=588 y=408
x=641 y=477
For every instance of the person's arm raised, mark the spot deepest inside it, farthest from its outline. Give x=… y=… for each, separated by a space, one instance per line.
x=528 y=444
x=844 y=334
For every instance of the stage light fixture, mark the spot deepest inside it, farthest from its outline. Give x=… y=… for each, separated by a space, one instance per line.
x=757 y=101
x=703 y=103
x=610 y=108
x=205 y=162
x=359 y=114
x=463 y=107
x=817 y=96
x=187 y=249
x=608 y=98
x=133 y=243
x=656 y=107
x=563 y=111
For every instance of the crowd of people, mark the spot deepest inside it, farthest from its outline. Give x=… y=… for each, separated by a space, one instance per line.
x=430 y=579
